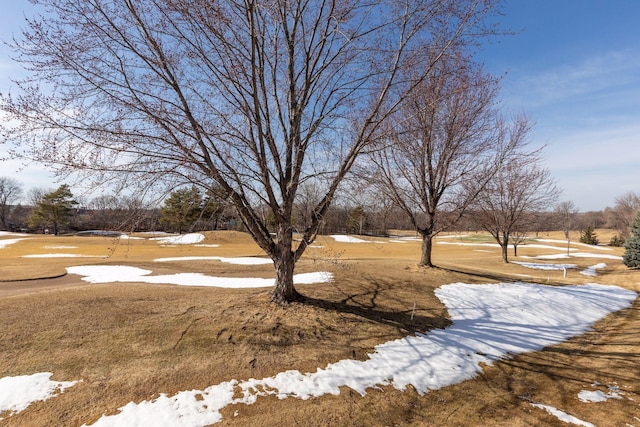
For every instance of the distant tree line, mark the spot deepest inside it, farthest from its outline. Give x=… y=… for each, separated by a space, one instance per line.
x=362 y=211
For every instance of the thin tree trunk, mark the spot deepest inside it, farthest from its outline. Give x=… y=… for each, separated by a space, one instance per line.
x=427 y=246
x=504 y=248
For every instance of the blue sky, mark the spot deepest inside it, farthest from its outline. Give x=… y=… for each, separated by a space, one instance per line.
x=573 y=67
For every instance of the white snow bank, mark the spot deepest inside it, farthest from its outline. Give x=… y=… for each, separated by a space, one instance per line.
x=579 y=255
x=7 y=242
x=16 y=393
x=563 y=416
x=341 y=238
x=238 y=260
x=120 y=273
x=182 y=239
x=551 y=267
x=489 y=322
x=593 y=270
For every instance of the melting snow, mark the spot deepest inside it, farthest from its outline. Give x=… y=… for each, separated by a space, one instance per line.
x=593 y=270
x=183 y=239
x=16 y=393
x=563 y=416
x=238 y=260
x=597 y=396
x=61 y=256
x=538 y=266
x=347 y=239
x=564 y=242
x=6 y=242
x=115 y=273
x=579 y=255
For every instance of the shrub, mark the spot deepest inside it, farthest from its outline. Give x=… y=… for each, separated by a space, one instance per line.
x=616 y=241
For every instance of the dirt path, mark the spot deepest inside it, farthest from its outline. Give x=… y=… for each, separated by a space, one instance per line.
x=23 y=287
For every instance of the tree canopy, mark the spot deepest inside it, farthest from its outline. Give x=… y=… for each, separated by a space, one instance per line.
x=254 y=97
x=448 y=135
x=521 y=187
x=182 y=209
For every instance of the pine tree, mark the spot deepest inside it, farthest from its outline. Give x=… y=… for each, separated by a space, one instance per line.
x=54 y=209
x=631 y=257
x=588 y=236
x=181 y=209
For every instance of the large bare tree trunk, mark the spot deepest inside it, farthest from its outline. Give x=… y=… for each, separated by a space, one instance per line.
x=284 y=262
x=284 y=292
x=427 y=246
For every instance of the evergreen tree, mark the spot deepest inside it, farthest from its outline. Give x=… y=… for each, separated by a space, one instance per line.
x=54 y=209
x=588 y=236
x=631 y=257
x=181 y=209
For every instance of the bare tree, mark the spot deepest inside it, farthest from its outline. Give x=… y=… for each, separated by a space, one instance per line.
x=255 y=97
x=445 y=145
x=624 y=211
x=566 y=216
x=521 y=186
x=10 y=192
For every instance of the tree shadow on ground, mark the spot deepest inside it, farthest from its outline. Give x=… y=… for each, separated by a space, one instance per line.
x=378 y=301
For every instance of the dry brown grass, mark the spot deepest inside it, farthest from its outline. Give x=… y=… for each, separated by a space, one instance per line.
x=129 y=342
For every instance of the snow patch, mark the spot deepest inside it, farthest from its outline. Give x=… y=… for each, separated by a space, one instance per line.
x=182 y=239
x=563 y=416
x=17 y=393
x=61 y=256
x=341 y=238
x=579 y=255
x=238 y=260
x=593 y=270
x=127 y=274
x=7 y=242
x=564 y=242
x=9 y=233
x=551 y=267
x=127 y=237
x=597 y=396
